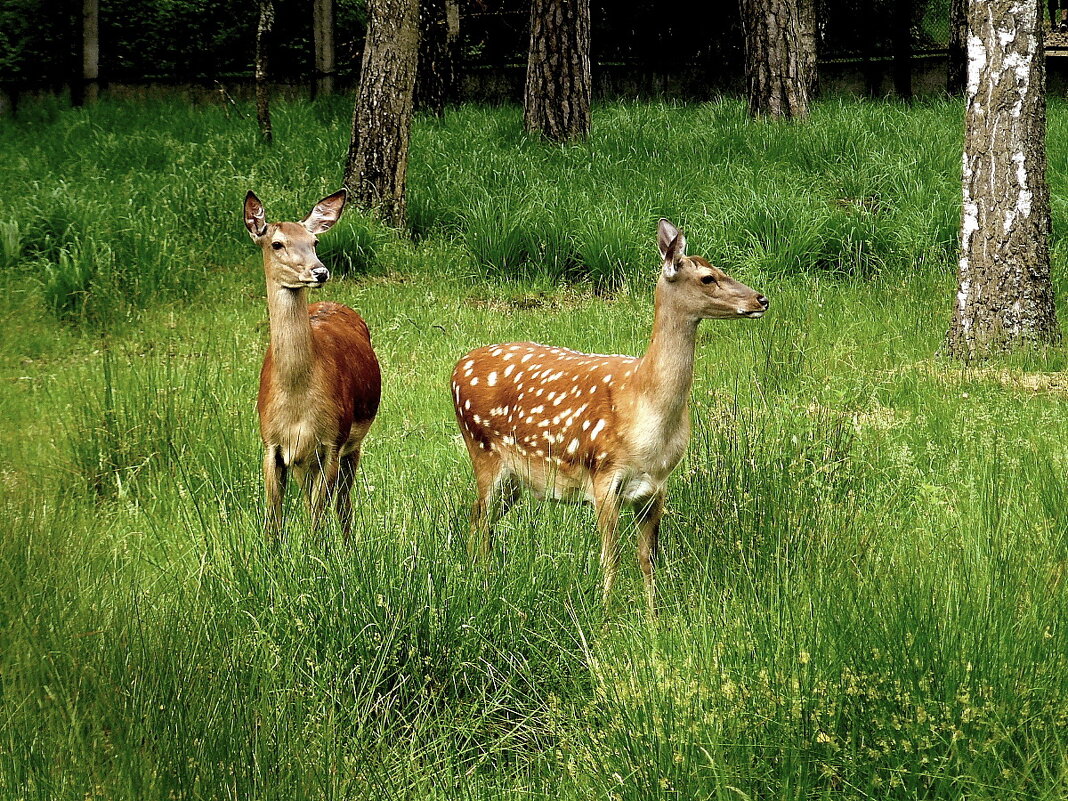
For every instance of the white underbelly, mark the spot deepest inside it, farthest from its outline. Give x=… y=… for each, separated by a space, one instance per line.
x=545 y=479
x=638 y=488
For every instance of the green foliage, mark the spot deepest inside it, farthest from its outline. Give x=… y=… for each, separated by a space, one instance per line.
x=863 y=585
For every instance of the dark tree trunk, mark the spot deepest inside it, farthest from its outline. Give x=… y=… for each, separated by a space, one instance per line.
x=435 y=86
x=8 y=102
x=323 y=43
x=1004 y=297
x=263 y=92
x=957 y=64
x=87 y=87
x=382 y=119
x=902 y=47
x=807 y=16
x=556 y=102
x=780 y=57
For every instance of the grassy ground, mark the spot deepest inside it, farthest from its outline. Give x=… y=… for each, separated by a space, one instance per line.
x=866 y=547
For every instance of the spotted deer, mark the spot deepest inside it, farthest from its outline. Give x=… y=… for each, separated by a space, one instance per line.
x=320 y=383
x=581 y=427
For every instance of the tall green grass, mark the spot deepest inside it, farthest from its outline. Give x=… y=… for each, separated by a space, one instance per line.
x=863 y=187
x=863 y=585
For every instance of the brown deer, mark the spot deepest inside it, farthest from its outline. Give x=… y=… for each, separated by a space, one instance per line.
x=320 y=383
x=581 y=427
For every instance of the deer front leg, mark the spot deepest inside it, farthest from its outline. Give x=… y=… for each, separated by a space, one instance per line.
x=607 y=501
x=343 y=493
x=274 y=482
x=648 y=517
x=321 y=482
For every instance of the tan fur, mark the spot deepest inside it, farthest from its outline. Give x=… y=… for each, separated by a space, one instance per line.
x=607 y=430
x=320 y=383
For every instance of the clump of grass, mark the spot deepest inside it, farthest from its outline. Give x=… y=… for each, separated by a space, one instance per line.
x=11 y=234
x=353 y=245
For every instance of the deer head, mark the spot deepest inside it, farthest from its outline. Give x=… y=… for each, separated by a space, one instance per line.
x=697 y=289
x=289 y=257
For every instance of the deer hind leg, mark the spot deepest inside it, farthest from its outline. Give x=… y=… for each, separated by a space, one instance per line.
x=497 y=493
x=346 y=475
x=274 y=481
x=606 y=498
x=648 y=517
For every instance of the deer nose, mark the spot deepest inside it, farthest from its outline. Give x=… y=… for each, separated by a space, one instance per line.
x=763 y=301
x=321 y=274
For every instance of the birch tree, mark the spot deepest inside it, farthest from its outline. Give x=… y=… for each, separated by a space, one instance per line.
x=1004 y=296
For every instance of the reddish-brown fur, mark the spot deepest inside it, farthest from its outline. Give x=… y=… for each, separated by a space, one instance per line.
x=350 y=382
x=607 y=430
x=320 y=384
x=543 y=400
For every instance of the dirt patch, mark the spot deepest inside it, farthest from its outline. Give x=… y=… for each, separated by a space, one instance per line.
x=1038 y=383
x=532 y=301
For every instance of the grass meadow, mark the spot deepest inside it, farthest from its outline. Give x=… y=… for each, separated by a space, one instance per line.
x=865 y=551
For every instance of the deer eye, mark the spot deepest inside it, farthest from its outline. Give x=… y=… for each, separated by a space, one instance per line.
x=707 y=279
x=276 y=245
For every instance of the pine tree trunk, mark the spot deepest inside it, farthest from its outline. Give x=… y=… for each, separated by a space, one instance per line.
x=956 y=55
x=323 y=43
x=556 y=102
x=377 y=165
x=263 y=92
x=1005 y=296
x=780 y=58
x=87 y=88
x=435 y=86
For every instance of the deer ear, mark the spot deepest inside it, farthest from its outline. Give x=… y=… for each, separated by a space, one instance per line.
x=672 y=244
x=665 y=232
x=255 y=217
x=326 y=213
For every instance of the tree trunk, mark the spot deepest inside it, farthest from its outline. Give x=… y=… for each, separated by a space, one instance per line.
x=263 y=92
x=956 y=55
x=780 y=57
x=382 y=119
x=87 y=87
x=556 y=102
x=8 y=102
x=902 y=48
x=1005 y=297
x=323 y=37
x=435 y=86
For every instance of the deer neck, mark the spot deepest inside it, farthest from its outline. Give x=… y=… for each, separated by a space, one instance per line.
x=292 y=347
x=664 y=375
